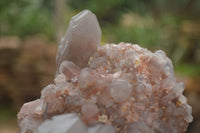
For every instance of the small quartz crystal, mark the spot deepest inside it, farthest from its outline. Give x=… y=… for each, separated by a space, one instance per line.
x=111 y=88
x=69 y=69
x=120 y=90
x=89 y=112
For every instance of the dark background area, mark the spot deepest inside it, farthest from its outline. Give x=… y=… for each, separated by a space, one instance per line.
x=30 y=31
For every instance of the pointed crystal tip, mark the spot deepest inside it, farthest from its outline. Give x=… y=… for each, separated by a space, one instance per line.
x=81 y=39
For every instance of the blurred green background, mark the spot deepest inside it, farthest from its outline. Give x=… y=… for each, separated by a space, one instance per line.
x=30 y=31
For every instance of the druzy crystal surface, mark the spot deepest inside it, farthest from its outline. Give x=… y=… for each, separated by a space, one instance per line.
x=113 y=88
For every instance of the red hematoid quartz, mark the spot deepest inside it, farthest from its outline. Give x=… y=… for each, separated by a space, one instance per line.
x=107 y=89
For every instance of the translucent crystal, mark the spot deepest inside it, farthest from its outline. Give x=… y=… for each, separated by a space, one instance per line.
x=85 y=78
x=100 y=128
x=138 y=127
x=69 y=69
x=120 y=90
x=105 y=98
x=28 y=108
x=89 y=112
x=30 y=116
x=29 y=124
x=67 y=123
x=101 y=61
x=178 y=89
x=48 y=90
x=60 y=78
x=81 y=39
x=64 y=86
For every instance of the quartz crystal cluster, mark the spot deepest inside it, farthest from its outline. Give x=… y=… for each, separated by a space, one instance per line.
x=111 y=88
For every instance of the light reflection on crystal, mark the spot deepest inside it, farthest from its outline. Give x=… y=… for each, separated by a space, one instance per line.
x=120 y=88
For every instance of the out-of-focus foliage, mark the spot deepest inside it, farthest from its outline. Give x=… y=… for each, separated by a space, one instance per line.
x=156 y=24
x=112 y=9
x=26 y=17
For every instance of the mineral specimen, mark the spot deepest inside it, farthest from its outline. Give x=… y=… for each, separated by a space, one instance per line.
x=111 y=88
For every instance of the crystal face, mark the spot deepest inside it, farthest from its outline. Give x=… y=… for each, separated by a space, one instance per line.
x=115 y=88
x=81 y=39
x=68 y=123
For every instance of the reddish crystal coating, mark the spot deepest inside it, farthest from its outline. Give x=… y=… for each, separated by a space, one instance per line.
x=125 y=87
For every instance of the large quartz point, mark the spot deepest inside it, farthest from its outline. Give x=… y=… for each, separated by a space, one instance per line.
x=81 y=39
x=67 y=123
